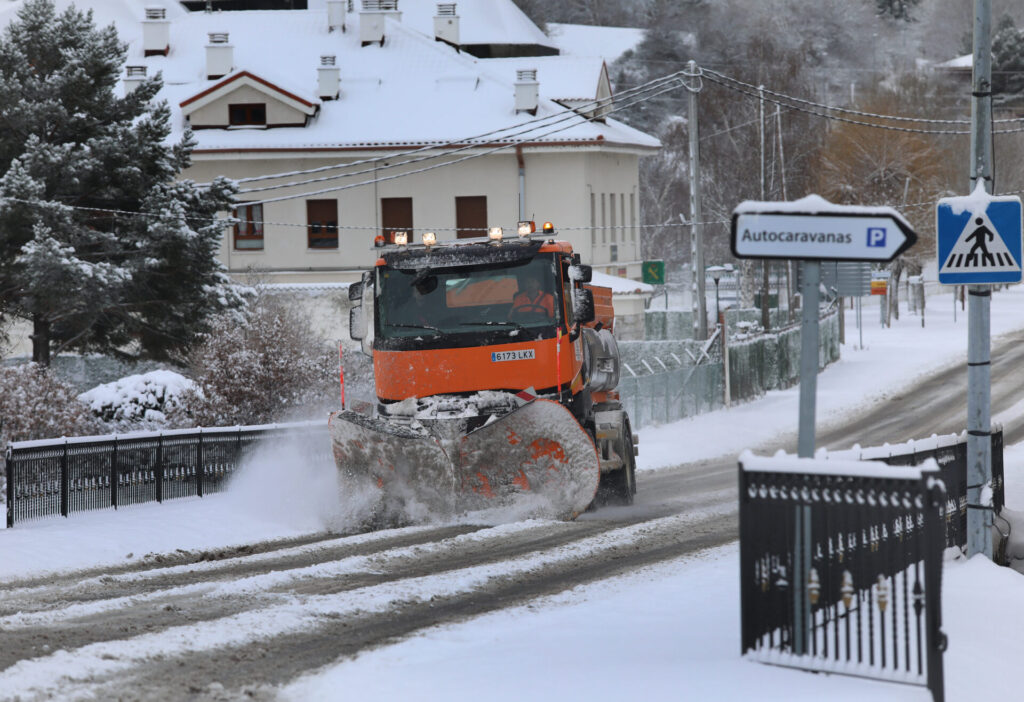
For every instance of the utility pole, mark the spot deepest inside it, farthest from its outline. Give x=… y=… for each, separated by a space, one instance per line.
x=699 y=303
x=765 y=264
x=979 y=342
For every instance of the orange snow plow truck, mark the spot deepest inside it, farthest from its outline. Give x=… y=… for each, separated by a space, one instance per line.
x=495 y=370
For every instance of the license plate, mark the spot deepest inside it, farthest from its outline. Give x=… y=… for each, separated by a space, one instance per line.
x=520 y=355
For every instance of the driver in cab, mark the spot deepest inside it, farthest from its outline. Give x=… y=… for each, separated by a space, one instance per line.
x=532 y=300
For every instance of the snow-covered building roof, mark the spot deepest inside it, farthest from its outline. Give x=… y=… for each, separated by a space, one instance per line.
x=583 y=40
x=621 y=286
x=495 y=23
x=409 y=89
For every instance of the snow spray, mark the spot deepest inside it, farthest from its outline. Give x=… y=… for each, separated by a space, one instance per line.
x=292 y=480
x=341 y=376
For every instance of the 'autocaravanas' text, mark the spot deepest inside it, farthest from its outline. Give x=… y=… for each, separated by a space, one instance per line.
x=797 y=237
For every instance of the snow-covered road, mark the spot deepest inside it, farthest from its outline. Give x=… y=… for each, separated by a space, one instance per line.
x=246 y=595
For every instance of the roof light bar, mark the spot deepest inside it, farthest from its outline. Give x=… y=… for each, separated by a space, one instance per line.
x=494 y=233
x=429 y=238
x=526 y=228
x=402 y=238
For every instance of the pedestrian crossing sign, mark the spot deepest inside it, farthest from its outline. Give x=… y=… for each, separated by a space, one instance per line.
x=979 y=239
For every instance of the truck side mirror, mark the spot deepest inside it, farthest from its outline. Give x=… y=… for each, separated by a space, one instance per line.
x=356 y=323
x=355 y=292
x=584 y=311
x=582 y=273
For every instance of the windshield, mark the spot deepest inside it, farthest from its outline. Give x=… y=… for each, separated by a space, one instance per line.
x=467 y=299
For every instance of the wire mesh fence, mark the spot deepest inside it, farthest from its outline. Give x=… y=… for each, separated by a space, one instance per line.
x=667 y=386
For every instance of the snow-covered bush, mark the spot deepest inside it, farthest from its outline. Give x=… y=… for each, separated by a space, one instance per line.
x=37 y=404
x=274 y=368
x=138 y=401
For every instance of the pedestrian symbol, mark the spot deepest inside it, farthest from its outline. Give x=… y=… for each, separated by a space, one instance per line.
x=979 y=239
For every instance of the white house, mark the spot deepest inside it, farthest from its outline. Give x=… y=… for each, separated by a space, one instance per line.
x=348 y=119
x=383 y=119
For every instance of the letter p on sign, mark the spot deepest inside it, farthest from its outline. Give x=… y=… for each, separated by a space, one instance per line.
x=876 y=236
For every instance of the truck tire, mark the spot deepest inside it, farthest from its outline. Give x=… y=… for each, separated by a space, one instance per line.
x=619 y=486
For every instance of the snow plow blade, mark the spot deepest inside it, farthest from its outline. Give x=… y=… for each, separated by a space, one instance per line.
x=405 y=471
x=536 y=457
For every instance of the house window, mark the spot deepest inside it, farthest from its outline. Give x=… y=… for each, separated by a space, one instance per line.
x=613 y=254
x=593 y=220
x=395 y=215
x=249 y=228
x=322 y=224
x=604 y=221
x=632 y=216
x=471 y=216
x=254 y=113
x=622 y=217
x=614 y=232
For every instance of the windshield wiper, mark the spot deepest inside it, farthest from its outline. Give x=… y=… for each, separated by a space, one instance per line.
x=517 y=325
x=416 y=326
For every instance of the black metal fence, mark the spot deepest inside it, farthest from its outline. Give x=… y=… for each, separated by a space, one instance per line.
x=840 y=567
x=950 y=452
x=61 y=476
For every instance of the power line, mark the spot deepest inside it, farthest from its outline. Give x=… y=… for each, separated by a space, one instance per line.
x=470 y=141
x=468 y=157
x=569 y=114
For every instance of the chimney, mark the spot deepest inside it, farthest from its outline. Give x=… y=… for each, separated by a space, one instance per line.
x=134 y=75
x=156 y=32
x=220 y=55
x=373 y=18
x=328 y=78
x=336 y=15
x=527 y=91
x=446 y=24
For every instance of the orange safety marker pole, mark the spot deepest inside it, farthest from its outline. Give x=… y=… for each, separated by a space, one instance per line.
x=341 y=376
x=558 y=360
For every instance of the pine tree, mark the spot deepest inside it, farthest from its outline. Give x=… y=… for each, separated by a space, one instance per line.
x=100 y=247
x=1007 y=58
x=896 y=9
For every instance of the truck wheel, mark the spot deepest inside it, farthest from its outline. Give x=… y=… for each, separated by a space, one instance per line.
x=619 y=486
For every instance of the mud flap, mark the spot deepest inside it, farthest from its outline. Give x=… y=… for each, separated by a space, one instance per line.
x=405 y=469
x=539 y=453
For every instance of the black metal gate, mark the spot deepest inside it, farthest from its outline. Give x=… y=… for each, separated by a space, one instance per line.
x=840 y=567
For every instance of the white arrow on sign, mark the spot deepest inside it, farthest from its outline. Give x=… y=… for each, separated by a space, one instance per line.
x=813 y=228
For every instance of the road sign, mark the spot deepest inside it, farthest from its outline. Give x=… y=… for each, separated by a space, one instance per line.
x=879 y=287
x=979 y=239
x=813 y=228
x=654 y=272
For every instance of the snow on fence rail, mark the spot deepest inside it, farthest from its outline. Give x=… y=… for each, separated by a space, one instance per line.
x=61 y=476
x=950 y=454
x=840 y=567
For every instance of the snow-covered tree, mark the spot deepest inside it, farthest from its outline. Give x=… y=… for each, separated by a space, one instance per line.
x=896 y=9
x=272 y=368
x=100 y=248
x=1007 y=58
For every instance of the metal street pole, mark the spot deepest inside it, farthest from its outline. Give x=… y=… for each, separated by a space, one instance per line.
x=699 y=306
x=979 y=345
x=765 y=264
x=808 y=358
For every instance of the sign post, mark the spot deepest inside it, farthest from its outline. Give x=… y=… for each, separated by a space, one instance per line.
x=814 y=230
x=979 y=243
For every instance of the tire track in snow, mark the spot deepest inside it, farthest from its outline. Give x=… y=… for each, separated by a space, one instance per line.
x=306 y=614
